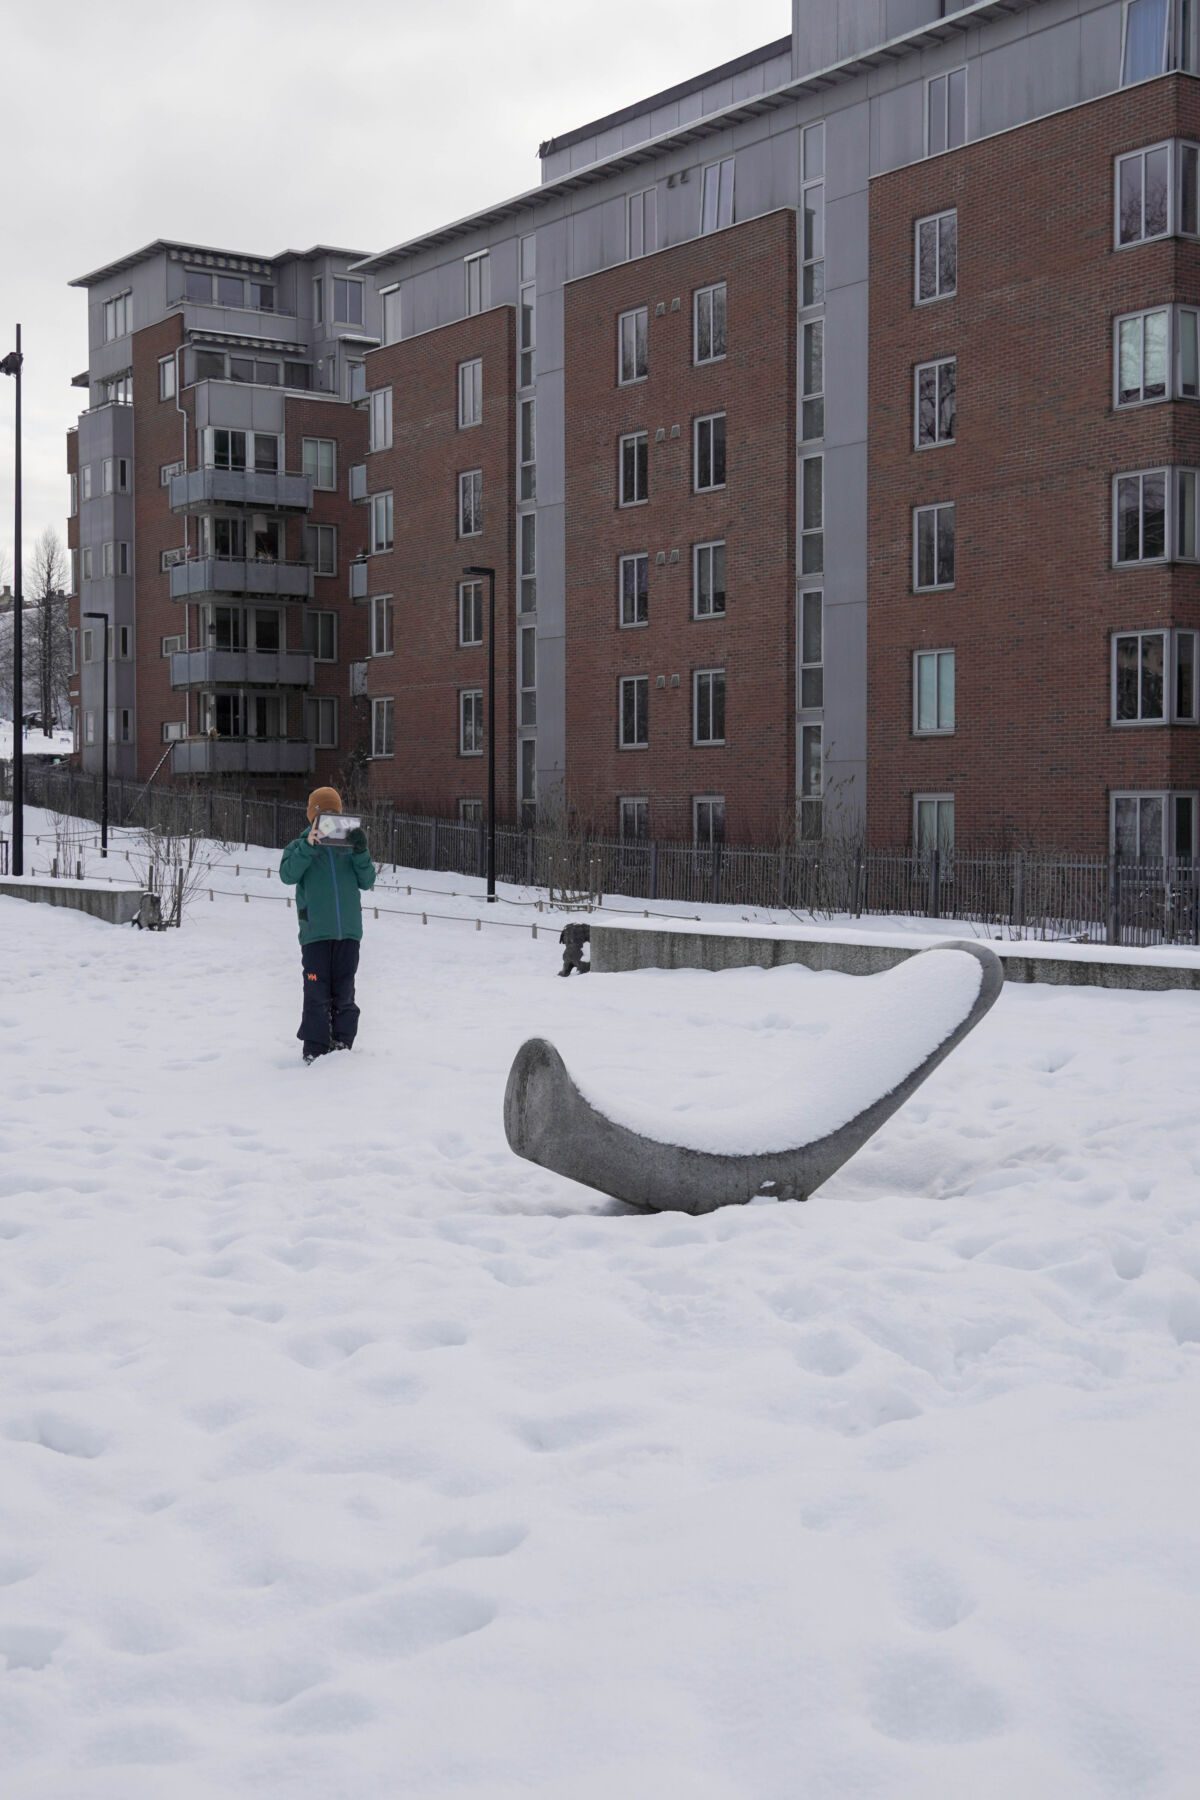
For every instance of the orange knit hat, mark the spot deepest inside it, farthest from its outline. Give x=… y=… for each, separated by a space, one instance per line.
x=324 y=800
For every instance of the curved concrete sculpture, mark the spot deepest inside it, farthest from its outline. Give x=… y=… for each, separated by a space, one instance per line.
x=794 y=1138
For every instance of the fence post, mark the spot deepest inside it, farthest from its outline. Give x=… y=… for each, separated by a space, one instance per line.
x=529 y=859
x=1018 y=904
x=1114 y=901
x=654 y=869
x=935 y=883
x=481 y=851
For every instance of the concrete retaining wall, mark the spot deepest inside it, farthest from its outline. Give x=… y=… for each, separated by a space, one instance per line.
x=622 y=947
x=119 y=906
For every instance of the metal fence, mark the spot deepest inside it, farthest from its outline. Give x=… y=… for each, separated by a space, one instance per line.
x=1025 y=894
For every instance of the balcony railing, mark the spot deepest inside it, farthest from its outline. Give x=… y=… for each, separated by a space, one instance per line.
x=195 y=490
x=241 y=668
x=214 y=575
x=242 y=756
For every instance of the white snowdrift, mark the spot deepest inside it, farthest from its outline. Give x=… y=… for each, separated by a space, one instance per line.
x=887 y=1026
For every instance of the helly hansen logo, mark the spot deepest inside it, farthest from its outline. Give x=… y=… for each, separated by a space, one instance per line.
x=310 y=978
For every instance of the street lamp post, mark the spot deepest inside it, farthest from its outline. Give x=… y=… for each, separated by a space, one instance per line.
x=491 y=729
x=104 y=740
x=11 y=365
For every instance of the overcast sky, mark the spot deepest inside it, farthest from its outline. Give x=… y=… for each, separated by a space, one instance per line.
x=262 y=125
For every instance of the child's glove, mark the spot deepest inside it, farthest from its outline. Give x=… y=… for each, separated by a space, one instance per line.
x=357 y=839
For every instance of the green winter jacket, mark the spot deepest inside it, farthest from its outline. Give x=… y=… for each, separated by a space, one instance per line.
x=327 y=879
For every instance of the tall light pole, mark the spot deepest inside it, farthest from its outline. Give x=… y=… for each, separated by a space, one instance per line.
x=104 y=740
x=11 y=365
x=491 y=728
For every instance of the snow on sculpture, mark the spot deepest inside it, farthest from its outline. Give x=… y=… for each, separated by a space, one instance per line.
x=789 y=1138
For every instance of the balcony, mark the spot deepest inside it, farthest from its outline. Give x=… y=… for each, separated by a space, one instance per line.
x=358 y=481
x=213 y=575
x=195 y=490
x=241 y=668
x=358 y=578
x=242 y=756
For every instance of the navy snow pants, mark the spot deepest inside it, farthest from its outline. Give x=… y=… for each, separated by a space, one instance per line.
x=330 y=1015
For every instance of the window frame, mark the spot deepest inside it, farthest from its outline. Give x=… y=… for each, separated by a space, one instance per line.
x=470 y=393
x=806 y=665
x=938 y=799
x=383 y=714
x=711 y=676
x=470 y=503
x=948 y=76
x=812 y=215
x=318 y=531
x=320 y=702
x=1181 y=321
x=470 y=728
x=938 y=220
x=1171 y=799
x=937 y=508
x=714 y=839
x=1175 y=517
x=167 y=377
x=711 y=611
x=937 y=441
x=635 y=438
x=349 y=283
x=1167 y=59
x=1174 y=638
x=812 y=537
x=391 y=312
x=938 y=729
x=1178 y=182
x=470 y=593
x=478 y=266
x=319 y=486
x=717 y=180
x=711 y=420
x=641 y=591
x=640 y=209
x=379 y=419
x=382 y=543
x=640 y=686
x=812 y=369
x=710 y=294
x=627 y=328
x=381 y=626
x=314 y=621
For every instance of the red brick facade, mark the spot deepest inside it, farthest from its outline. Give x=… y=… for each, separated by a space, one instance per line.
x=428 y=670
x=1033 y=757
x=754 y=386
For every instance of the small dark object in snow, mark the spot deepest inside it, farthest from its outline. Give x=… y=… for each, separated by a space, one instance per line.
x=149 y=914
x=573 y=938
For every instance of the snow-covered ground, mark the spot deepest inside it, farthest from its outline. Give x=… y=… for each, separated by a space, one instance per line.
x=344 y=1455
x=35 y=743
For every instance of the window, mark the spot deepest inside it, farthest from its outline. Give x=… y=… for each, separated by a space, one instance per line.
x=381 y=522
x=89 y=727
x=1142 y=353
x=115 y=559
x=320 y=462
x=74 y=556
x=527 y=449
x=381 y=419
x=635 y=468
x=633 y=585
x=470 y=613
x=166 y=377
x=381 y=625
x=85 y=476
x=937 y=257
x=812 y=779
x=1146 y=49
x=811 y=637
x=633 y=814
x=322 y=722
x=87 y=562
x=72 y=495
x=257 y=450
x=318 y=292
x=708 y=323
x=635 y=712
x=114 y=475
x=224 y=539
x=1154 y=678
x=470 y=722
x=708 y=820
x=641 y=223
x=116 y=390
x=527 y=536
x=812 y=515
x=812 y=379
x=1150 y=827
x=470 y=812
x=633 y=329
x=391 y=315
x=470 y=503
x=470 y=392
x=122 y=643
x=320 y=548
x=716 y=196
x=1140 y=517
x=708 y=580
x=812 y=206
x=933 y=546
x=320 y=636
x=123 y=733
x=73 y=641
x=946 y=112
x=708 y=706
x=936 y=402
x=478 y=274
x=527 y=311
x=709 y=461
x=933 y=691
x=118 y=316
x=89 y=644
x=347 y=301
x=1157 y=192
x=383 y=742
x=933 y=823
x=75 y=728
x=527 y=669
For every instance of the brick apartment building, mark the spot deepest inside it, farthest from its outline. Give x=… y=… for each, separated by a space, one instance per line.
x=826 y=420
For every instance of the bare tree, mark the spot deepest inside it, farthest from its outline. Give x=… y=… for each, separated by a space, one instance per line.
x=49 y=638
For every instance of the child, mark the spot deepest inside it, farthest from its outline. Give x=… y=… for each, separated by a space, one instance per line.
x=327 y=878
